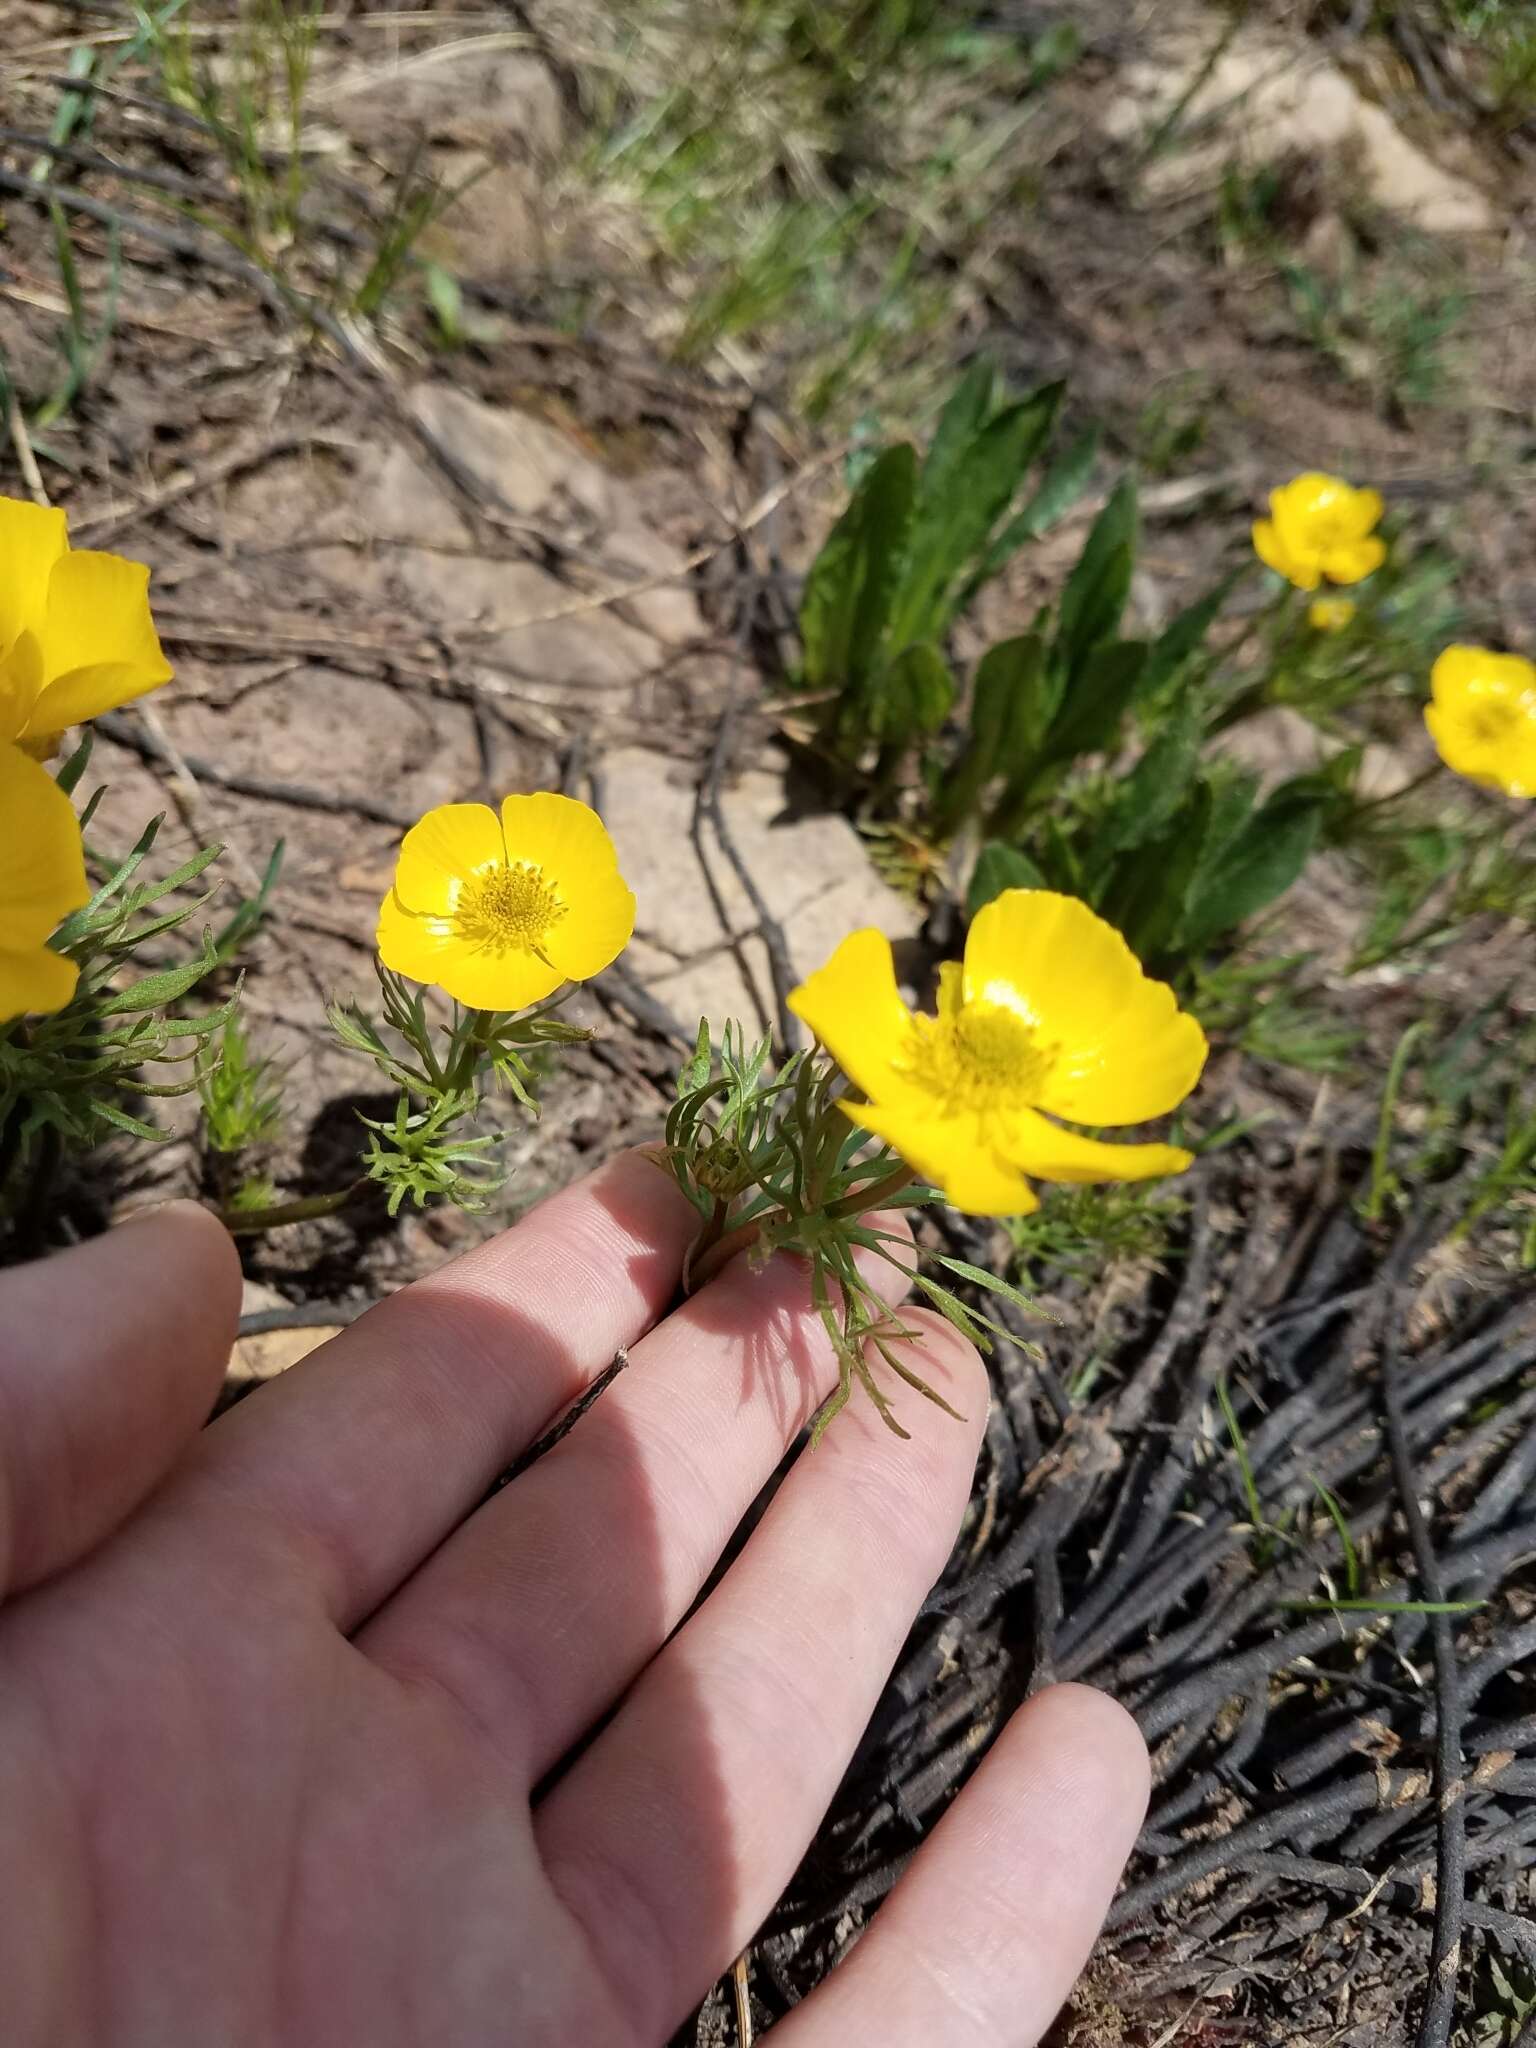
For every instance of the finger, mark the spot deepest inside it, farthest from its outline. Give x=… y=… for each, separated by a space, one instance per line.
x=674 y=1835
x=989 y=1929
x=356 y=1464
x=540 y=1610
x=110 y=1357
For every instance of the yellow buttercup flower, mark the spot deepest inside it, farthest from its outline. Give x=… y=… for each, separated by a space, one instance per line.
x=1330 y=614
x=1320 y=527
x=42 y=879
x=1483 y=717
x=1049 y=1012
x=499 y=910
x=76 y=637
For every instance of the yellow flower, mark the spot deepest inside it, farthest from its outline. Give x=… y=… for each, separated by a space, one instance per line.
x=1320 y=526
x=1050 y=1011
x=42 y=879
x=1330 y=614
x=499 y=911
x=76 y=637
x=1483 y=717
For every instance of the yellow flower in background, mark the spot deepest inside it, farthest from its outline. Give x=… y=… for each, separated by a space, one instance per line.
x=1482 y=717
x=1320 y=527
x=42 y=879
x=1330 y=614
x=1049 y=1012
x=76 y=636
x=499 y=910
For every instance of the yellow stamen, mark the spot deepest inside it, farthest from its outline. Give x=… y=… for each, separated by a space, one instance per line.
x=508 y=909
x=978 y=1057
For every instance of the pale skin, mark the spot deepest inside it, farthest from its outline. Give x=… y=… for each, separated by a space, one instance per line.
x=284 y=1698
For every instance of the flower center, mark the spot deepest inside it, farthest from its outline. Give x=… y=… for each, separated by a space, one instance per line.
x=508 y=909
x=979 y=1057
x=1492 y=719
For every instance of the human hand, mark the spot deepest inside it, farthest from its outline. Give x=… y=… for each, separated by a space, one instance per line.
x=281 y=1707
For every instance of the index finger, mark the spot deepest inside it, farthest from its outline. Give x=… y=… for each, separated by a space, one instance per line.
x=361 y=1459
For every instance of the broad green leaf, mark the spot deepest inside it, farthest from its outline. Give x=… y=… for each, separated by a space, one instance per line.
x=911 y=698
x=1233 y=796
x=1096 y=591
x=999 y=867
x=1010 y=711
x=1182 y=637
x=1148 y=797
x=966 y=412
x=1096 y=701
x=1152 y=883
x=1257 y=865
x=958 y=509
x=848 y=594
x=1059 y=490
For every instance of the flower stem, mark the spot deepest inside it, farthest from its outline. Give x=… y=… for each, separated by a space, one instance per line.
x=722 y=1251
x=874 y=1192
x=1395 y=796
x=246 y=1222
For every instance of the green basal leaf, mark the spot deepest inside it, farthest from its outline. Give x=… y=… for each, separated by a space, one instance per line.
x=1182 y=638
x=1096 y=591
x=1259 y=864
x=912 y=698
x=1149 y=796
x=1059 y=490
x=1098 y=697
x=1147 y=897
x=999 y=867
x=854 y=579
x=960 y=501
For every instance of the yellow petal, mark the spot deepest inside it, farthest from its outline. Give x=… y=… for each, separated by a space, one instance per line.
x=855 y=1008
x=1119 y=1048
x=99 y=644
x=441 y=851
x=32 y=538
x=35 y=983
x=1050 y=1153
x=568 y=841
x=1462 y=674
x=1363 y=511
x=1271 y=549
x=1354 y=560
x=429 y=948
x=42 y=868
x=950 y=1153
